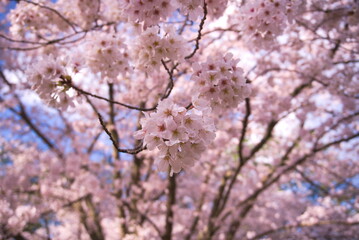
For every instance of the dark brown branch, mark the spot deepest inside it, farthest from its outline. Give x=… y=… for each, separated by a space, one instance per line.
x=53 y=41
x=111 y=101
x=223 y=200
x=114 y=143
x=171 y=79
x=145 y=217
x=16 y=40
x=69 y=204
x=335 y=125
x=23 y=114
x=211 y=228
x=72 y=25
x=244 y=130
x=199 y=36
x=171 y=201
x=347 y=62
x=184 y=25
x=26 y=118
x=311 y=182
x=300 y=88
x=19 y=236
x=325 y=146
x=47 y=228
x=264 y=140
x=92 y=145
x=113 y=131
x=301 y=225
x=241 y=158
x=222 y=30
x=91 y=228
x=96 y=227
x=249 y=202
x=336 y=175
x=2 y=75
x=195 y=221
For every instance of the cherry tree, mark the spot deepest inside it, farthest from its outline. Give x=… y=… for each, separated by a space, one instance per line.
x=178 y=119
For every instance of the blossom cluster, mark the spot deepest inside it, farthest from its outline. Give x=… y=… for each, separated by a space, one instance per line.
x=216 y=8
x=149 y=12
x=107 y=54
x=51 y=81
x=264 y=20
x=83 y=12
x=34 y=17
x=15 y=219
x=152 y=12
x=194 y=8
x=151 y=48
x=179 y=134
x=191 y=8
x=220 y=82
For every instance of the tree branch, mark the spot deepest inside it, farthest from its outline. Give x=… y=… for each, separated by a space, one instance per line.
x=111 y=101
x=54 y=11
x=301 y=225
x=199 y=36
x=114 y=143
x=171 y=200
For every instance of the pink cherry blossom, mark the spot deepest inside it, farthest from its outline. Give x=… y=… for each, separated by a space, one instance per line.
x=179 y=120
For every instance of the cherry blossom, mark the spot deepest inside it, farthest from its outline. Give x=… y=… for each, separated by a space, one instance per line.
x=220 y=82
x=151 y=48
x=52 y=82
x=179 y=134
x=264 y=20
x=107 y=54
x=179 y=120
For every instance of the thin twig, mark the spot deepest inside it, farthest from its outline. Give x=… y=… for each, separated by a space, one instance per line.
x=114 y=143
x=54 y=11
x=301 y=225
x=199 y=36
x=144 y=216
x=171 y=80
x=111 y=101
